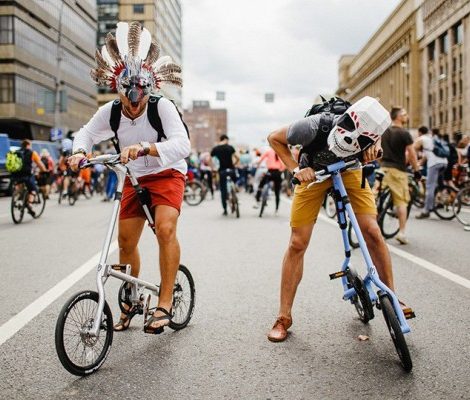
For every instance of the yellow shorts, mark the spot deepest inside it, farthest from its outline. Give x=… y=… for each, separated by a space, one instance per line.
x=307 y=202
x=397 y=181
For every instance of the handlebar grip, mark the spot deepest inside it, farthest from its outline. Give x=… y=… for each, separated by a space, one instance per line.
x=295 y=181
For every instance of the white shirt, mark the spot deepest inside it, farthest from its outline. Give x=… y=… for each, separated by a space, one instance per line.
x=172 y=150
x=431 y=158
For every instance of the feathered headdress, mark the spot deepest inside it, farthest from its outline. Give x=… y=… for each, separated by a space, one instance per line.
x=133 y=55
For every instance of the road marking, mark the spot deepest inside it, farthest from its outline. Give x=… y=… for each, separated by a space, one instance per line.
x=14 y=324
x=410 y=257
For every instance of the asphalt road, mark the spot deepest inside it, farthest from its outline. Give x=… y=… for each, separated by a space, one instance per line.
x=224 y=352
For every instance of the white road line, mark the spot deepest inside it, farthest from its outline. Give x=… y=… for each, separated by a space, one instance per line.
x=410 y=257
x=13 y=325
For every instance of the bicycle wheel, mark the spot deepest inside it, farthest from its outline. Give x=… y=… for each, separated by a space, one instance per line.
x=361 y=299
x=353 y=242
x=264 y=200
x=18 y=203
x=394 y=329
x=443 y=200
x=235 y=203
x=38 y=205
x=461 y=206
x=80 y=353
x=193 y=193
x=330 y=207
x=72 y=195
x=184 y=299
x=388 y=220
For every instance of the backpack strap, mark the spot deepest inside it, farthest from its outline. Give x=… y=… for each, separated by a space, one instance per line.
x=114 y=122
x=155 y=120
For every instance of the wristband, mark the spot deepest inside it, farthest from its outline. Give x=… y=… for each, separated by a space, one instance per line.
x=79 y=151
x=145 y=147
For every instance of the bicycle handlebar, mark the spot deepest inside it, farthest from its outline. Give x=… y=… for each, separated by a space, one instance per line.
x=103 y=159
x=326 y=172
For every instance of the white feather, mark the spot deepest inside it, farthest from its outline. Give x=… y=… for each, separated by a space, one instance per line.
x=106 y=56
x=162 y=61
x=144 y=44
x=121 y=38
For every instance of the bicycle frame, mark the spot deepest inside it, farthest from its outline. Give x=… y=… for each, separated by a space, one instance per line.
x=344 y=209
x=105 y=270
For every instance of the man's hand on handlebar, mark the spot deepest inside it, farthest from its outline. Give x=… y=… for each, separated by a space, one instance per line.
x=305 y=175
x=74 y=161
x=131 y=153
x=374 y=152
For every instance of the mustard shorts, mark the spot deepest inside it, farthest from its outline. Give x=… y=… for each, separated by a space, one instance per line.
x=307 y=202
x=397 y=181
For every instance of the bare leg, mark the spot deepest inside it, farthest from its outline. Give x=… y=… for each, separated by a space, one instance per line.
x=292 y=267
x=166 y=219
x=402 y=217
x=377 y=248
x=129 y=234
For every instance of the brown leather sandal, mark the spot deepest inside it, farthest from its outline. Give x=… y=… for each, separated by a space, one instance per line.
x=124 y=323
x=168 y=315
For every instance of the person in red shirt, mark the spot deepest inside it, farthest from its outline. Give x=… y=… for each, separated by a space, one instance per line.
x=275 y=168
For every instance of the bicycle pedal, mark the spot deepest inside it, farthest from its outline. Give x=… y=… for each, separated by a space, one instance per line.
x=409 y=313
x=337 y=275
x=119 y=267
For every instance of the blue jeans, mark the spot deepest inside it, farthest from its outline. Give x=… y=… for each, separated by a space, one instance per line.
x=434 y=174
x=111 y=184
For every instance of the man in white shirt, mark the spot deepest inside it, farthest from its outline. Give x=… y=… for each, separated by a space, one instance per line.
x=435 y=167
x=135 y=73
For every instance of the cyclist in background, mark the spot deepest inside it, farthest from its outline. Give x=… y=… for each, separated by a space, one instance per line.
x=397 y=146
x=227 y=157
x=206 y=166
x=46 y=178
x=275 y=168
x=25 y=175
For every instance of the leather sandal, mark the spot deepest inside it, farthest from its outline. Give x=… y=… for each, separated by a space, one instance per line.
x=279 y=332
x=124 y=322
x=168 y=315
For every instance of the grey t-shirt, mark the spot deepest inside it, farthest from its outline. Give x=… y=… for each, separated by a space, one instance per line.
x=305 y=130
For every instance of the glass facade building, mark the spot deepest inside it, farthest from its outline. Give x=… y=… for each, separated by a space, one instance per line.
x=46 y=51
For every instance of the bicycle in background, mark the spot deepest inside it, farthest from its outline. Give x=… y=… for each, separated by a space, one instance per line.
x=20 y=202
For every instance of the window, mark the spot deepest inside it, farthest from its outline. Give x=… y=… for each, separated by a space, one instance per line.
x=461 y=112
x=441 y=118
x=454 y=64
x=6 y=29
x=444 y=43
x=454 y=89
x=457 y=33
x=460 y=86
x=7 y=89
x=460 y=61
x=454 y=114
x=138 y=8
x=446 y=117
x=441 y=95
x=431 y=51
x=429 y=99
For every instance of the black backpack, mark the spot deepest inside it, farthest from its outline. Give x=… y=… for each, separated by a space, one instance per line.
x=152 y=115
x=316 y=153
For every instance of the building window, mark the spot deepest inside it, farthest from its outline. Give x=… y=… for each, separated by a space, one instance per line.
x=460 y=112
x=454 y=89
x=441 y=118
x=446 y=117
x=454 y=114
x=444 y=43
x=457 y=31
x=6 y=29
x=460 y=86
x=138 y=8
x=454 y=64
x=7 y=89
x=460 y=61
x=429 y=99
x=441 y=94
x=431 y=51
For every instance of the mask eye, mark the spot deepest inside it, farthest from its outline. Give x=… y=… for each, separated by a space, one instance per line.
x=346 y=122
x=364 y=141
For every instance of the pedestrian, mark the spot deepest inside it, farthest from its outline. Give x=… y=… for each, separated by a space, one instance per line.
x=397 y=145
x=227 y=157
x=130 y=62
x=307 y=201
x=436 y=152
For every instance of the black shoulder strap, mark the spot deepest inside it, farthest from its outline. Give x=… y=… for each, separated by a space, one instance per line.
x=154 y=117
x=115 y=121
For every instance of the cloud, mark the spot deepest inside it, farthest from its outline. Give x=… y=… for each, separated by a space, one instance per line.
x=291 y=48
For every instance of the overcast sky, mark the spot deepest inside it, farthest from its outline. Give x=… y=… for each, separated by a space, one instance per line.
x=289 y=47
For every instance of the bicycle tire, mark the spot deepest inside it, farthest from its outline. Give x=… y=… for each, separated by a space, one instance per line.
x=330 y=206
x=18 y=203
x=388 y=221
x=461 y=206
x=40 y=206
x=396 y=334
x=184 y=286
x=194 y=197
x=353 y=242
x=72 y=197
x=235 y=206
x=264 y=200
x=88 y=342
x=361 y=299
x=443 y=200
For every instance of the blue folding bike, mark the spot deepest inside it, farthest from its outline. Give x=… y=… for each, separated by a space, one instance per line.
x=359 y=291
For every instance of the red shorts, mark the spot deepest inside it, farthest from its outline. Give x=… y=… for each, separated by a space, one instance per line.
x=165 y=188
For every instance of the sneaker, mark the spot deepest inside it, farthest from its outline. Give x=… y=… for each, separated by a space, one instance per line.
x=225 y=213
x=402 y=238
x=423 y=215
